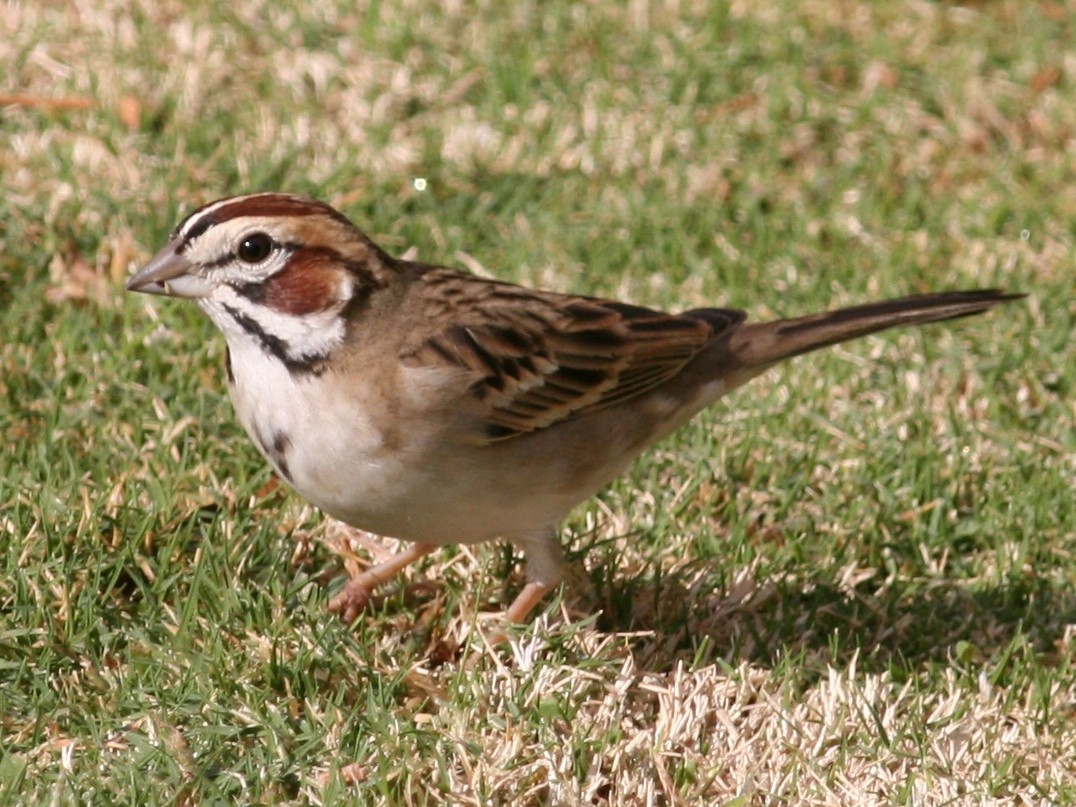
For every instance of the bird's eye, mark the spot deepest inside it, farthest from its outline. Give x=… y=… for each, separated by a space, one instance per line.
x=255 y=248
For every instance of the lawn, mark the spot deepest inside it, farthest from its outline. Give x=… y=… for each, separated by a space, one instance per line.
x=853 y=582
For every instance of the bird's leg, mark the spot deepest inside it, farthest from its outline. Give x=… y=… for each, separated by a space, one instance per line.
x=525 y=601
x=545 y=568
x=350 y=602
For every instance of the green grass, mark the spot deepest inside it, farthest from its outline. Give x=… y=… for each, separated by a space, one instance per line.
x=853 y=581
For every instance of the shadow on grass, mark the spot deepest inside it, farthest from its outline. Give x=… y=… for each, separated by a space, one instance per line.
x=690 y=616
x=814 y=622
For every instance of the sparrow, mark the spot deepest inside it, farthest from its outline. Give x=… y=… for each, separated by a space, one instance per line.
x=424 y=403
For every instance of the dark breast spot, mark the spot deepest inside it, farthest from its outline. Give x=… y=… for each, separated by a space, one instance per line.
x=281 y=443
x=280 y=449
x=276 y=450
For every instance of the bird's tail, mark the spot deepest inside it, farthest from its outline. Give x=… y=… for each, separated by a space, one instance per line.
x=763 y=344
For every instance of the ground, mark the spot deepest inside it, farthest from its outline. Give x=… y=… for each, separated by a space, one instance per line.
x=854 y=582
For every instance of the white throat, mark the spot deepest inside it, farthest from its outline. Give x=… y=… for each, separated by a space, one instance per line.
x=291 y=339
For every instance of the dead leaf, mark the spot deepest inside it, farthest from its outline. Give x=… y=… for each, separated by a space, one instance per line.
x=350 y=774
x=43 y=102
x=1047 y=77
x=129 y=110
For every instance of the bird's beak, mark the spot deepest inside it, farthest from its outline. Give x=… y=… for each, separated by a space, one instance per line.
x=169 y=273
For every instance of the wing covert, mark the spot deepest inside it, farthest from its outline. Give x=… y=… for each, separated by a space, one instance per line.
x=541 y=358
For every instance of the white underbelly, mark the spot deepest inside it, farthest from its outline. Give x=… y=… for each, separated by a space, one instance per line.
x=412 y=486
x=412 y=480
x=424 y=495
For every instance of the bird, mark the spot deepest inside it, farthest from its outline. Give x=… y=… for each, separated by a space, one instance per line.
x=431 y=405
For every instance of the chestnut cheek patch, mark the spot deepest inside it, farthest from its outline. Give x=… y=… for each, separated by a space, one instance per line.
x=309 y=283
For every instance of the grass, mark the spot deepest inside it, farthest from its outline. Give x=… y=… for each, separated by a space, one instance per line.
x=852 y=582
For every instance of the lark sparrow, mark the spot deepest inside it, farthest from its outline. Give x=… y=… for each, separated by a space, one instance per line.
x=430 y=405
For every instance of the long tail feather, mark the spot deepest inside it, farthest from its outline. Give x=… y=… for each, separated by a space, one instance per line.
x=763 y=344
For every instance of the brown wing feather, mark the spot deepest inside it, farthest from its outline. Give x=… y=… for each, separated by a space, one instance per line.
x=542 y=358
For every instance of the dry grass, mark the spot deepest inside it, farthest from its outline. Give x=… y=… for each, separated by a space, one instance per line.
x=852 y=584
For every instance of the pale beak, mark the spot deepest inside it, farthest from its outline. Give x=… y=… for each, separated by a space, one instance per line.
x=169 y=273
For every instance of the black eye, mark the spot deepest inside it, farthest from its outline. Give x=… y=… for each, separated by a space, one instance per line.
x=255 y=248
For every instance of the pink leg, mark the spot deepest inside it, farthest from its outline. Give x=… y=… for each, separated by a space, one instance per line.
x=518 y=611
x=526 y=601
x=545 y=568
x=350 y=602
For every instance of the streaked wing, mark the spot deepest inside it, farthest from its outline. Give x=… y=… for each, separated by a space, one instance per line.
x=541 y=358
